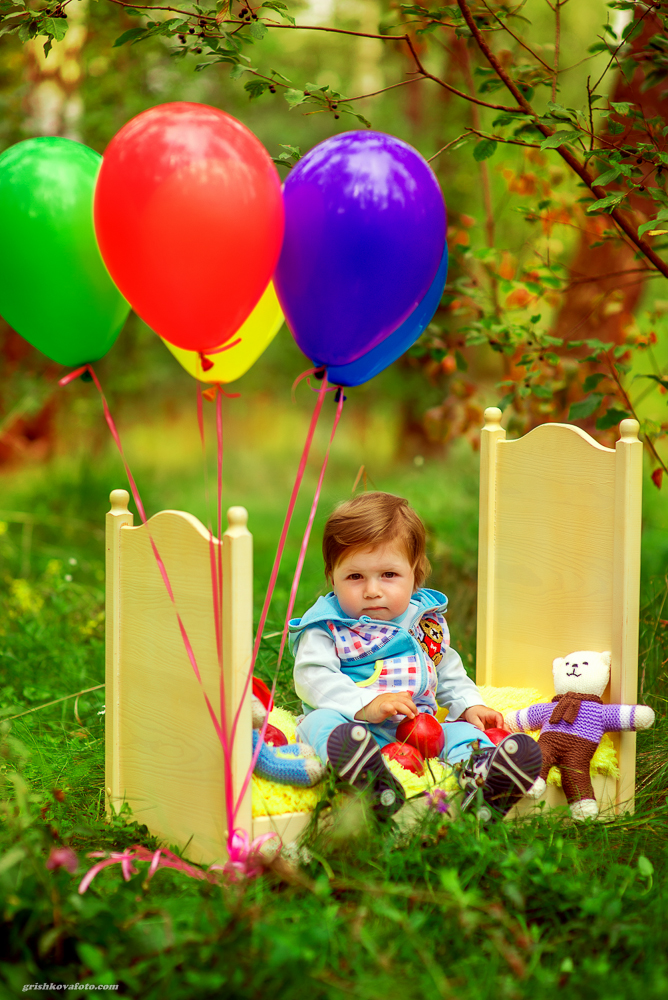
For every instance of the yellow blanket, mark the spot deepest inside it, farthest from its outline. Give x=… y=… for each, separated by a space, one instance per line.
x=272 y=799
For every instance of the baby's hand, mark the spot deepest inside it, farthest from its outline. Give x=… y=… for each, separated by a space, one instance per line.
x=385 y=706
x=483 y=717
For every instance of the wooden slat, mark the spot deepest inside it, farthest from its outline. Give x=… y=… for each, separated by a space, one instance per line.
x=169 y=759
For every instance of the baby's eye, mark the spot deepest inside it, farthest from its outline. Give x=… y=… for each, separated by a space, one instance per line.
x=390 y=574
x=354 y=576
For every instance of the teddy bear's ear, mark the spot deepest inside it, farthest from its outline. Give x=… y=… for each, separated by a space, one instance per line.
x=558 y=663
x=606 y=658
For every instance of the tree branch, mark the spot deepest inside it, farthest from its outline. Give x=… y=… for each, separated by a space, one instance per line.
x=393 y=86
x=583 y=173
x=447 y=146
x=517 y=38
x=625 y=397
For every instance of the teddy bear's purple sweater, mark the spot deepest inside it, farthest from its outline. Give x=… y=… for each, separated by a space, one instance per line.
x=592 y=720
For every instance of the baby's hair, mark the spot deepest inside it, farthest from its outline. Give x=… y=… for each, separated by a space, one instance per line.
x=371 y=520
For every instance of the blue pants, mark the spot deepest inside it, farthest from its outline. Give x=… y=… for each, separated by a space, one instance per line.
x=317 y=726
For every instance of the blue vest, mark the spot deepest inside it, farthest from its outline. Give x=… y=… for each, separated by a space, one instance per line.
x=384 y=656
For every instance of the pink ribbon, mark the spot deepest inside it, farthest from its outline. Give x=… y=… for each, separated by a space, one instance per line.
x=243 y=854
x=246 y=859
x=297 y=574
x=158 y=859
x=125 y=860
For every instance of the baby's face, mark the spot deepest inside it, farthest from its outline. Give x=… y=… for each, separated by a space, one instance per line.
x=375 y=582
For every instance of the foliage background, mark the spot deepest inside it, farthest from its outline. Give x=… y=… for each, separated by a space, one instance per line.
x=453 y=911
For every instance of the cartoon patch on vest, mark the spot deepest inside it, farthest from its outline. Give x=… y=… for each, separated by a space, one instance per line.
x=432 y=639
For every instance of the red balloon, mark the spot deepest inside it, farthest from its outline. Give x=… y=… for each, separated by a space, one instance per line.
x=409 y=758
x=189 y=220
x=424 y=732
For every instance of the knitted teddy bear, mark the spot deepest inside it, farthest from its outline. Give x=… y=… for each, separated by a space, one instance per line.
x=573 y=724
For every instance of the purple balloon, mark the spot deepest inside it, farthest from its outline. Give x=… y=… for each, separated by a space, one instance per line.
x=364 y=234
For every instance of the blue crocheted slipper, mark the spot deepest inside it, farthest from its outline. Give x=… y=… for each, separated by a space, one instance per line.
x=356 y=758
x=503 y=774
x=294 y=764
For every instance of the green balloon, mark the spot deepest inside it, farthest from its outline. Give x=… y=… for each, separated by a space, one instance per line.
x=54 y=288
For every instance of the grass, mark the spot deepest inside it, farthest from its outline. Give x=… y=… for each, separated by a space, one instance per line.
x=538 y=909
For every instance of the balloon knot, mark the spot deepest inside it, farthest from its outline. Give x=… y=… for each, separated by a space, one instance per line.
x=207 y=363
x=210 y=394
x=337 y=396
x=320 y=373
x=86 y=376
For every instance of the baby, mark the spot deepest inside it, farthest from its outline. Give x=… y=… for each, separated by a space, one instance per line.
x=377 y=650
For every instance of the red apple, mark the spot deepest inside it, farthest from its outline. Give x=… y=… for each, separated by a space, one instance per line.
x=424 y=732
x=409 y=758
x=496 y=735
x=274 y=737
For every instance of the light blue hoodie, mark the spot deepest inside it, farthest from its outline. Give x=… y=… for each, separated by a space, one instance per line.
x=343 y=663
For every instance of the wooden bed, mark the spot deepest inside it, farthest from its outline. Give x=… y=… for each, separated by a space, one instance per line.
x=559 y=565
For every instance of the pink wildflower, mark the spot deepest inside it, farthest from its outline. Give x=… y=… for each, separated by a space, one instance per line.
x=438 y=800
x=62 y=857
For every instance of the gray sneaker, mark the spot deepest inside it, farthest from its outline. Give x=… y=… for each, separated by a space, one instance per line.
x=503 y=774
x=356 y=758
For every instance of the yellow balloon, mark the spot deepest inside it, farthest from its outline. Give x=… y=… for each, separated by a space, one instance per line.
x=253 y=337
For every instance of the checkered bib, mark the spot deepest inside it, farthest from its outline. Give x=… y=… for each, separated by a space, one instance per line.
x=393 y=673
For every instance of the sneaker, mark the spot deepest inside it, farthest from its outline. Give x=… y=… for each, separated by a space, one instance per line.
x=356 y=758
x=503 y=774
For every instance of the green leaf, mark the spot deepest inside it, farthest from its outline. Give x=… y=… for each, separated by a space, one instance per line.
x=56 y=26
x=610 y=201
x=131 y=35
x=645 y=866
x=656 y=378
x=592 y=381
x=542 y=391
x=462 y=363
x=92 y=957
x=255 y=88
x=484 y=149
x=609 y=175
x=356 y=114
x=238 y=70
x=11 y=858
x=615 y=128
x=258 y=30
x=295 y=97
x=281 y=8
x=585 y=407
x=505 y=400
x=26 y=31
x=558 y=139
x=559 y=111
x=653 y=224
x=293 y=151
x=621 y=107
x=611 y=418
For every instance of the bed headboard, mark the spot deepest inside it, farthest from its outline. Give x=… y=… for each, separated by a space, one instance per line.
x=163 y=756
x=559 y=558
